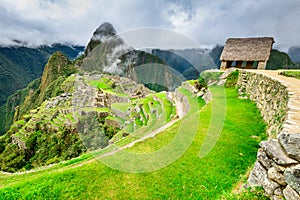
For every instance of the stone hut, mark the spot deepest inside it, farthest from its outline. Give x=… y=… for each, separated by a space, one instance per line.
x=246 y=53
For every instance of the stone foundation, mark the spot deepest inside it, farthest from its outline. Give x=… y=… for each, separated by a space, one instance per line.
x=223 y=65
x=262 y=65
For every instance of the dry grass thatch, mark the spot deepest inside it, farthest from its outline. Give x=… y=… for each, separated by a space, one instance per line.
x=247 y=49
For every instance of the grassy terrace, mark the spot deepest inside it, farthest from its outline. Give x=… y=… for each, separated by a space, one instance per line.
x=294 y=74
x=189 y=177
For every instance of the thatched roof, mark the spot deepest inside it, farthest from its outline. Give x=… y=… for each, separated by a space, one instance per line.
x=247 y=49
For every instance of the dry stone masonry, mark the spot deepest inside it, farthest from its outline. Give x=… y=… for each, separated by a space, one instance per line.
x=277 y=168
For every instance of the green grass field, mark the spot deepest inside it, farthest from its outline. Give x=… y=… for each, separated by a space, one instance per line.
x=189 y=177
x=294 y=74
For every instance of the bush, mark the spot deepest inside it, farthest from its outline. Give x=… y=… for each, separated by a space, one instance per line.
x=53 y=160
x=232 y=79
x=200 y=83
x=211 y=76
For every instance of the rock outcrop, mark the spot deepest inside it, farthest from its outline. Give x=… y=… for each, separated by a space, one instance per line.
x=104 y=32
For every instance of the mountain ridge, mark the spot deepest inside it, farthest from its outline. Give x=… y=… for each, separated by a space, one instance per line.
x=20 y=65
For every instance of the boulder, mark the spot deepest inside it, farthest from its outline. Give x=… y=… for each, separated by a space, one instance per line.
x=275 y=151
x=275 y=175
x=278 y=193
x=291 y=144
x=290 y=194
x=292 y=177
x=263 y=159
x=259 y=177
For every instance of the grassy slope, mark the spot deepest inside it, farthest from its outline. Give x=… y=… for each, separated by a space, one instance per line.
x=188 y=178
x=294 y=74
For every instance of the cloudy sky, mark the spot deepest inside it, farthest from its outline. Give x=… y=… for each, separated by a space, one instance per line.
x=208 y=22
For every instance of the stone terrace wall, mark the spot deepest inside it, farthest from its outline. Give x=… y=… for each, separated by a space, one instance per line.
x=271 y=98
x=277 y=168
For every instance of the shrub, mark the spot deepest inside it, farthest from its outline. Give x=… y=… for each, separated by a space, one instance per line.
x=211 y=76
x=232 y=79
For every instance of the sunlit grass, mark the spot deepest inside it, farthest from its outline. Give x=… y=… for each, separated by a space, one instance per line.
x=187 y=178
x=294 y=74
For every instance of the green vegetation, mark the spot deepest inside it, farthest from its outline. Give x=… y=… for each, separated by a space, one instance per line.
x=178 y=62
x=156 y=87
x=21 y=65
x=257 y=194
x=8 y=109
x=146 y=115
x=53 y=132
x=211 y=76
x=190 y=177
x=57 y=70
x=121 y=106
x=280 y=60
x=105 y=84
x=46 y=141
x=52 y=84
x=294 y=74
x=232 y=79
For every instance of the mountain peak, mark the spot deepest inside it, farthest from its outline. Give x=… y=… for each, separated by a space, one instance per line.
x=104 y=31
x=102 y=34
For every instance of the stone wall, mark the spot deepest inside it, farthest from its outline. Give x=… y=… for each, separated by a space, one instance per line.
x=277 y=168
x=271 y=98
x=262 y=65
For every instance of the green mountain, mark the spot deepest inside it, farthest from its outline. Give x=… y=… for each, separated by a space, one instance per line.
x=215 y=54
x=280 y=60
x=188 y=62
x=294 y=53
x=21 y=65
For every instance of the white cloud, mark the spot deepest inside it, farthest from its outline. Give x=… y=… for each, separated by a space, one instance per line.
x=177 y=16
x=206 y=21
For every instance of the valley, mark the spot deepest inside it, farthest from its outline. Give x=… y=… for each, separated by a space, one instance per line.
x=122 y=123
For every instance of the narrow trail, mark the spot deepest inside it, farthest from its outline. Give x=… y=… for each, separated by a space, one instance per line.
x=292 y=122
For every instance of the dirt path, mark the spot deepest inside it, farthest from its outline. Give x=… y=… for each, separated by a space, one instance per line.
x=292 y=122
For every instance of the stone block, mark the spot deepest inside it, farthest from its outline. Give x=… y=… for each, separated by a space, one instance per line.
x=291 y=144
x=263 y=159
x=290 y=194
x=259 y=177
x=275 y=175
x=292 y=177
x=278 y=192
x=275 y=151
